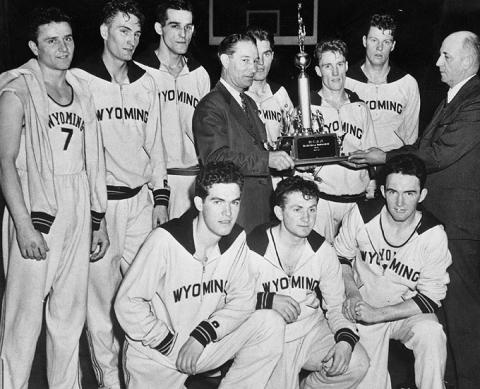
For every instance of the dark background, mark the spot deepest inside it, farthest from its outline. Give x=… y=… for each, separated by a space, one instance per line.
x=423 y=24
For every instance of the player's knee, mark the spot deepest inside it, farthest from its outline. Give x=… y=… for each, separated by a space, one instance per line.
x=359 y=363
x=429 y=333
x=271 y=326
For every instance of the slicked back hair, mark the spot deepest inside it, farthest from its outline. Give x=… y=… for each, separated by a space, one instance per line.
x=126 y=7
x=406 y=164
x=333 y=45
x=224 y=172
x=471 y=43
x=228 y=44
x=383 y=22
x=41 y=16
x=258 y=33
x=164 y=6
x=294 y=184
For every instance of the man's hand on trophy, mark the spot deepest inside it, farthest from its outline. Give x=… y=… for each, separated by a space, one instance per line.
x=371 y=156
x=280 y=160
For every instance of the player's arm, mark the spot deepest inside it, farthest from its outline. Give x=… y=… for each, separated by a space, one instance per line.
x=239 y=305
x=133 y=304
x=30 y=241
x=156 y=150
x=408 y=131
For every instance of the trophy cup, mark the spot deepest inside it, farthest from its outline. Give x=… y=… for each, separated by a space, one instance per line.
x=304 y=137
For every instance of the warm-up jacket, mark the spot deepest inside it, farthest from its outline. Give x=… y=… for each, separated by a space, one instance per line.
x=354 y=128
x=387 y=274
x=178 y=99
x=273 y=109
x=28 y=84
x=172 y=294
x=130 y=122
x=394 y=105
x=318 y=272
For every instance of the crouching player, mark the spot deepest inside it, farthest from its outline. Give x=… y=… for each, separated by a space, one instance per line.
x=394 y=258
x=187 y=303
x=291 y=264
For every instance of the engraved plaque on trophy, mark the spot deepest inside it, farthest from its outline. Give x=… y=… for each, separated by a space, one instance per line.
x=304 y=136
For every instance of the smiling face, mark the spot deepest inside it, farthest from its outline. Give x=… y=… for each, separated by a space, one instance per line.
x=121 y=36
x=239 y=67
x=54 y=46
x=298 y=214
x=332 y=68
x=265 y=58
x=378 y=44
x=402 y=194
x=218 y=212
x=177 y=31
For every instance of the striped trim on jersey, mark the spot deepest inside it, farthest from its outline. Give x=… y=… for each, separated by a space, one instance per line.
x=42 y=221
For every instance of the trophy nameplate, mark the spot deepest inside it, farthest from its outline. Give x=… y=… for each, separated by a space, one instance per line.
x=314 y=149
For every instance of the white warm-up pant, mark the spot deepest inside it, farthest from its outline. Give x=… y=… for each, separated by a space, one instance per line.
x=255 y=346
x=307 y=353
x=181 y=194
x=129 y=221
x=59 y=282
x=329 y=217
x=422 y=334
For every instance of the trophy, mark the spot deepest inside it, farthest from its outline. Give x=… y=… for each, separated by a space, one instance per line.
x=304 y=137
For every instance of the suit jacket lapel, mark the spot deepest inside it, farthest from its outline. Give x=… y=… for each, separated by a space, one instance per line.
x=238 y=113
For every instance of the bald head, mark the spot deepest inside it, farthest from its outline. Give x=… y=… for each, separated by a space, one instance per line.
x=459 y=57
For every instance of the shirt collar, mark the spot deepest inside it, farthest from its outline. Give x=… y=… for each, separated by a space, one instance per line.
x=454 y=90
x=235 y=93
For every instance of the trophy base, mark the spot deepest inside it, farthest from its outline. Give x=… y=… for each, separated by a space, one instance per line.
x=320 y=161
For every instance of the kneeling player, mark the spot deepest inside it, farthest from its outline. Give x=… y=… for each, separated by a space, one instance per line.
x=292 y=263
x=186 y=303
x=395 y=260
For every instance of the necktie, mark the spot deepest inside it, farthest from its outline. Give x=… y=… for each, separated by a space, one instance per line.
x=243 y=98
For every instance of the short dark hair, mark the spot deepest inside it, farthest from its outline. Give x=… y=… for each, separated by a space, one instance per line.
x=335 y=45
x=294 y=184
x=164 y=6
x=383 y=22
x=41 y=16
x=258 y=33
x=127 y=7
x=406 y=164
x=227 y=45
x=223 y=172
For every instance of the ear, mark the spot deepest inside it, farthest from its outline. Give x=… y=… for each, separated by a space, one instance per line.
x=346 y=66
x=104 y=31
x=33 y=46
x=364 y=40
x=317 y=70
x=393 y=46
x=467 y=61
x=278 y=211
x=423 y=194
x=198 y=203
x=225 y=60
x=158 y=28
x=382 y=189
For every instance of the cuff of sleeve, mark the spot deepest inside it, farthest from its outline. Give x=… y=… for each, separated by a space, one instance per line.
x=96 y=219
x=204 y=333
x=42 y=221
x=161 y=196
x=347 y=335
x=425 y=304
x=264 y=300
x=166 y=345
x=345 y=261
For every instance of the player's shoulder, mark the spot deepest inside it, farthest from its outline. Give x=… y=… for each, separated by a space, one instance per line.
x=355 y=73
x=429 y=223
x=369 y=209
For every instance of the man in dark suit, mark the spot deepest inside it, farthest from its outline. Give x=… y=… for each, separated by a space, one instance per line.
x=450 y=148
x=227 y=127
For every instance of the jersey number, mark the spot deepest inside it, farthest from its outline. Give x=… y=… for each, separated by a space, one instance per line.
x=69 y=132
